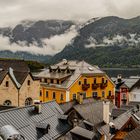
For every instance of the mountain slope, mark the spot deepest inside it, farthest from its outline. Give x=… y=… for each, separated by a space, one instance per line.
x=33 y=39
x=109 y=41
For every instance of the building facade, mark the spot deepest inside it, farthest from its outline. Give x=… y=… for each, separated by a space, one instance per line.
x=69 y=80
x=127 y=90
x=134 y=95
x=17 y=88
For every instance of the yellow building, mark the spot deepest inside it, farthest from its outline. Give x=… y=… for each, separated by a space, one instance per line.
x=68 y=80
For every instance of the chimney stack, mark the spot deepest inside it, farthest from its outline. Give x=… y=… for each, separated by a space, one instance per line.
x=106 y=111
x=37 y=105
x=119 y=78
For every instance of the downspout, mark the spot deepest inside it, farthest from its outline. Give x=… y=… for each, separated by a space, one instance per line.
x=18 y=96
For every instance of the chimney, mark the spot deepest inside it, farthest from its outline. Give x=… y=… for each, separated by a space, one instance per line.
x=37 y=105
x=112 y=129
x=65 y=62
x=119 y=78
x=106 y=111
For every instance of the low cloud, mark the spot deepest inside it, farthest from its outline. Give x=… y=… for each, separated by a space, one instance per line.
x=120 y=40
x=13 y=11
x=50 y=46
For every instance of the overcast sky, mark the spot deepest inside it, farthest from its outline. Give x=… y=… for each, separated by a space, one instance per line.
x=13 y=11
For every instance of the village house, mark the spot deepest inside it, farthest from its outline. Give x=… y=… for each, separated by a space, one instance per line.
x=17 y=85
x=70 y=80
x=126 y=90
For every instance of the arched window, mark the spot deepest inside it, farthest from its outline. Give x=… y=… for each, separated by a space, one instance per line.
x=28 y=101
x=7 y=103
x=7 y=84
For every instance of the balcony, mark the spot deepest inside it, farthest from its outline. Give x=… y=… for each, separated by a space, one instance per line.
x=112 y=97
x=85 y=86
x=103 y=85
x=95 y=86
x=124 y=99
x=97 y=98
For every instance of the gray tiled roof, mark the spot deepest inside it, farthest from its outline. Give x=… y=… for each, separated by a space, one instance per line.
x=118 y=122
x=54 y=75
x=2 y=75
x=18 y=65
x=24 y=120
x=68 y=105
x=92 y=111
x=83 y=132
x=133 y=135
x=80 y=68
x=129 y=82
x=117 y=112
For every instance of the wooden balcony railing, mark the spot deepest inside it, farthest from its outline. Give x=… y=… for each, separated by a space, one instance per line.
x=85 y=86
x=95 y=86
x=124 y=99
x=103 y=85
x=111 y=97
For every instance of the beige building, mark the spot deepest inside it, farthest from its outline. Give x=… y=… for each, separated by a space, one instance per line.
x=17 y=85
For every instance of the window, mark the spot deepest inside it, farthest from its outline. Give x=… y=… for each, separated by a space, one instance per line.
x=7 y=84
x=79 y=82
x=103 y=80
x=47 y=94
x=94 y=80
x=134 y=96
x=45 y=80
x=28 y=101
x=42 y=79
x=51 y=80
x=53 y=95
x=109 y=93
x=103 y=94
x=124 y=96
x=94 y=94
x=29 y=83
x=61 y=97
x=59 y=70
x=74 y=96
x=40 y=93
x=7 y=103
x=85 y=81
x=57 y=81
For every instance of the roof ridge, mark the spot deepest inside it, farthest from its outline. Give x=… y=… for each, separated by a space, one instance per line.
x=16 y=108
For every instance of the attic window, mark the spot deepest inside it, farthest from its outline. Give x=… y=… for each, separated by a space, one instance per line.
x=29 y=82
x=7 y=84
x=43 y=127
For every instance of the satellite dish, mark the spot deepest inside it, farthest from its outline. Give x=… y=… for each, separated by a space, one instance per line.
x=90 y=68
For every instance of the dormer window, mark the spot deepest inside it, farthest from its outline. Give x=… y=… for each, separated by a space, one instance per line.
x=85 y=81
x=7 y=84
x=94 y=80
x=29 y=82
x=52 y=81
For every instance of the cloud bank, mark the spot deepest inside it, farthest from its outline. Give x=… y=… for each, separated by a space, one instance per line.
x=119 y=40
x=13 y=11
x=51 y=46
